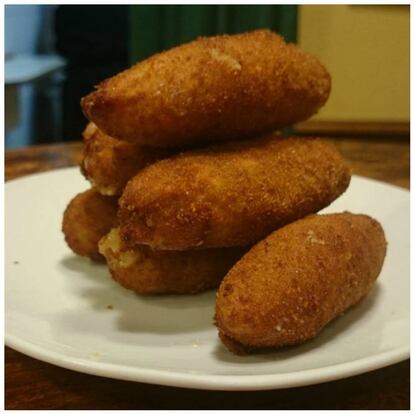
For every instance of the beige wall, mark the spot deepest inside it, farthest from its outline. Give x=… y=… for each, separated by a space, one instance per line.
x=366 y=50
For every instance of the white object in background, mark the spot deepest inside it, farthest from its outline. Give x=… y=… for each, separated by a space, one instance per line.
x=19 y=71
x=27 y=68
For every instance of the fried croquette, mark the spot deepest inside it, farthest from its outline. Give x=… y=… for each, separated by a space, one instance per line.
x=290 y=285
x=149 y=271
x=231 y=194
x=212 y=89
x=87 y=218
x=108 y=163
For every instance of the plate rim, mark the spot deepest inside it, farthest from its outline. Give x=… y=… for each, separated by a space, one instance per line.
x=208 y=381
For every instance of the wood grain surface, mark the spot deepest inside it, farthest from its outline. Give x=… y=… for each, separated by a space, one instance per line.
x=32 y=384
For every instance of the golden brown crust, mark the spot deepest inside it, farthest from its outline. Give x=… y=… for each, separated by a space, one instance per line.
x=290 y=285
x=109 y=163
x=212 y=89
x=87 y=218
x=231 y=194
x=149 y=271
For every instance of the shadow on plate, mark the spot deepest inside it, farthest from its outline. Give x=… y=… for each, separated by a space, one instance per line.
x=156 y=314
x=333 y=330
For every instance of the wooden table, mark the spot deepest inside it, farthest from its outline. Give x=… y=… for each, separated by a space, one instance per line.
x=31 y=384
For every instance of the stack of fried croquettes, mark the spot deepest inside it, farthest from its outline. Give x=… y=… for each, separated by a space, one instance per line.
x=188 y=172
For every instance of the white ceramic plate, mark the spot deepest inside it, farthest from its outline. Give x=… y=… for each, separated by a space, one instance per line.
x=58 y=306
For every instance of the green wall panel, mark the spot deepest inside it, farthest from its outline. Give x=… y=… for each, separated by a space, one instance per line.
x=157 y=28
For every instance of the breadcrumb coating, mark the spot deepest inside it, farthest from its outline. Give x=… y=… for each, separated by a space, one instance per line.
x=212 y=89
x=231 y=194
x=87 y=218
x=109 y=163
x=149 y=271
x=290 y=285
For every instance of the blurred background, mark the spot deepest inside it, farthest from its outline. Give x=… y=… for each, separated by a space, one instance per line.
x=54 y=55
